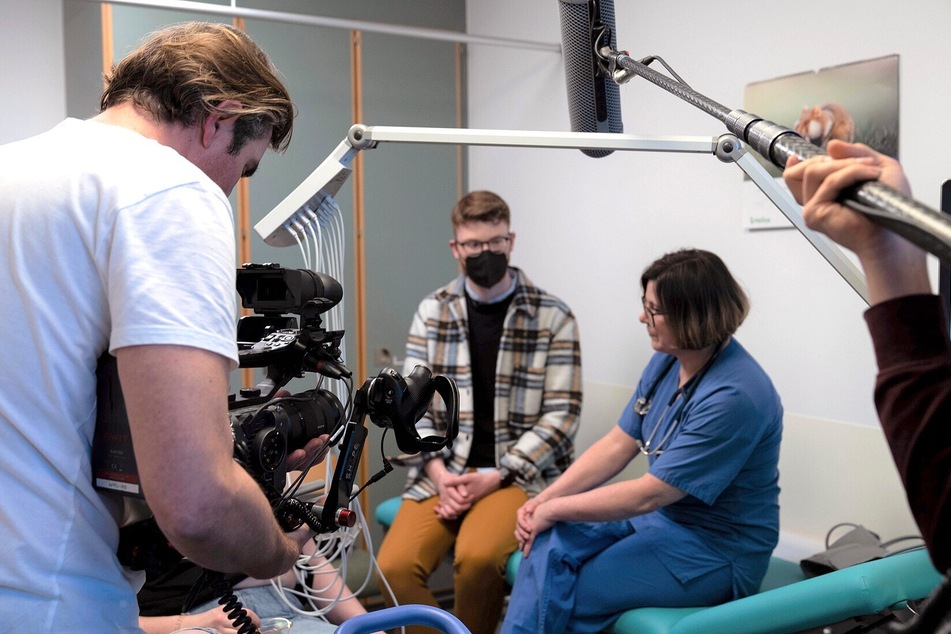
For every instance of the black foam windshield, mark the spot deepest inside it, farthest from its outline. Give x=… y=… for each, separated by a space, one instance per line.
x=594 y=101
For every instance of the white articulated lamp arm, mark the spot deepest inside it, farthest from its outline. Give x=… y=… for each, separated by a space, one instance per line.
x=318 y=189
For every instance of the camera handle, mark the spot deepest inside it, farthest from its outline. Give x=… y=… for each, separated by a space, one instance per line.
x=336 y=512
x=391 y=402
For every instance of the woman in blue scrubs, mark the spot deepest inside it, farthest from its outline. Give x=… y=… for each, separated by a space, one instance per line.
x=699 y=527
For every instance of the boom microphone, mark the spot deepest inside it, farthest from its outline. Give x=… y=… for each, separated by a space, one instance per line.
x=594 y=100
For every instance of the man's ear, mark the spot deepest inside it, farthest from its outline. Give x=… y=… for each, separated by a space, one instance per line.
x=217 y=127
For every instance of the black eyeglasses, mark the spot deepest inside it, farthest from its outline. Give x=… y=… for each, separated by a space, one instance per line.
x=495 y=245
x=650 y=312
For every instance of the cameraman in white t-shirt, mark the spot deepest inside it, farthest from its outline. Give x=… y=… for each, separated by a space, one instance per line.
x=116 y=235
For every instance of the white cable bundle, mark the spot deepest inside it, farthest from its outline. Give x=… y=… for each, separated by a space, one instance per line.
x=315 y=577
x=319 y=233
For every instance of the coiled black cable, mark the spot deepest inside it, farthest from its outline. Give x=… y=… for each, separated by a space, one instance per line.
x=232 y=606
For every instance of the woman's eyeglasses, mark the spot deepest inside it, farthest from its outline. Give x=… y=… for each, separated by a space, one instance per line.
x=650 y=312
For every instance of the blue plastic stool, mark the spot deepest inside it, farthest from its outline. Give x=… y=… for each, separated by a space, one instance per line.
x=400 y=616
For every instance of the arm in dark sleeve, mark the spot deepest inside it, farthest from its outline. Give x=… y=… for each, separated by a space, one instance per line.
x=913 y=398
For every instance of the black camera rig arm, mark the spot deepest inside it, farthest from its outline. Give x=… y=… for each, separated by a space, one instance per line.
x=391 y=402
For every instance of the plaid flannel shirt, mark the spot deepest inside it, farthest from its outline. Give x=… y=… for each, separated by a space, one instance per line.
x=537 y=387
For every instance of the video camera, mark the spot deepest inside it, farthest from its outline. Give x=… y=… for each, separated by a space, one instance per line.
x=268 y=427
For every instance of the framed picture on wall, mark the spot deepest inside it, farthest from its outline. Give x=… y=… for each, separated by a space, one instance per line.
x=853 y=102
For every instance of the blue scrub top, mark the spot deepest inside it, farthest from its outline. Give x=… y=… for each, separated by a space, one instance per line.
x=724 y=454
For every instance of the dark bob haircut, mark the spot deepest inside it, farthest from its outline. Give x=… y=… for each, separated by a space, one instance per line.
x=702 y=303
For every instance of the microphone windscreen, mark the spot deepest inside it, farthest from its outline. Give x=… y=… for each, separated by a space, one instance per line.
x=594 y=101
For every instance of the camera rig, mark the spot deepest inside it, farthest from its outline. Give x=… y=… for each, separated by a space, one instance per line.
x=267 y=426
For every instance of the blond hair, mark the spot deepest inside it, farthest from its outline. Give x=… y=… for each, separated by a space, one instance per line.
x=185 y=72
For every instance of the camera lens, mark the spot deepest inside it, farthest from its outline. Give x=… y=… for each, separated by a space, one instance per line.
x=269 y=449
x=313 y=415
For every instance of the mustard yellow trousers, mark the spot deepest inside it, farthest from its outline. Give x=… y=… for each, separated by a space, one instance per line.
x=481 y=540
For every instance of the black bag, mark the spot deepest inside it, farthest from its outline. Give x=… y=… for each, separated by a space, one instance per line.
x=857 y=546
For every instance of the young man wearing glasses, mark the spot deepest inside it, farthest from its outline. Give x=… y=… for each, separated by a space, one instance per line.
x=513 y=350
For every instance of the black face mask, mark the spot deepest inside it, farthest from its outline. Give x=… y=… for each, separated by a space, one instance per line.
x=487 y=269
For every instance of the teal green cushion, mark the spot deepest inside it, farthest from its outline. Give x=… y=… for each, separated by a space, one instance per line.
x=651 y=620
x=386 y=511
x=511 y=567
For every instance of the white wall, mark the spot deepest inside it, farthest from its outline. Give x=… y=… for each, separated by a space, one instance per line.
x=588 y=227
x=33 y=98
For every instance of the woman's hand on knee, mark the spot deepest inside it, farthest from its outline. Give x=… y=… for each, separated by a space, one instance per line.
x=531 y=522
x=523 y=522
x=542 y=520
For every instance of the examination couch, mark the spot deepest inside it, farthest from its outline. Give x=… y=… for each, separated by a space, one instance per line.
x=788 y=602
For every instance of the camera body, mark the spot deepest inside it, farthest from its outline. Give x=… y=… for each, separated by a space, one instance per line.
x=270 y=338
x=268 y=427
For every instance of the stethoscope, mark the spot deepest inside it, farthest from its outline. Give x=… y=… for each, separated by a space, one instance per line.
x=643 y=404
